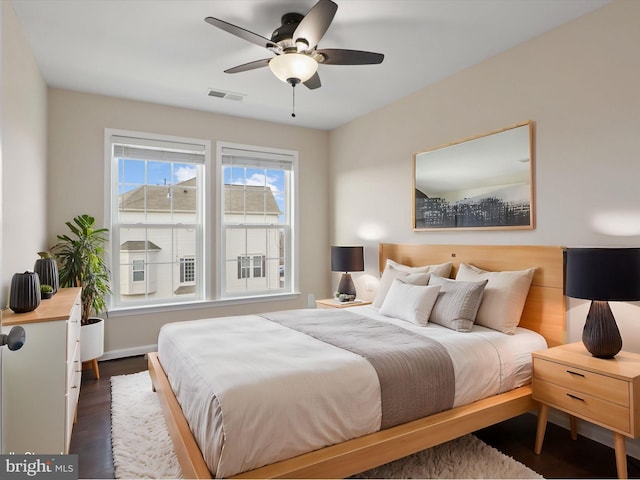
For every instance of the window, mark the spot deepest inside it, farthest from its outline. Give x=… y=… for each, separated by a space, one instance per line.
x=258 y=266
x=158 y=203
x=187 y=270
x=251 y=263
x=138 y=270
x=243 y=267
x=256 y=234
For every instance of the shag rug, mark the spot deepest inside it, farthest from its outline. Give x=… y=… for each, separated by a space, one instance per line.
x=142 y=447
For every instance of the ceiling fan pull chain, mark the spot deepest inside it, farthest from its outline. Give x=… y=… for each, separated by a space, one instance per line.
x=293 y=108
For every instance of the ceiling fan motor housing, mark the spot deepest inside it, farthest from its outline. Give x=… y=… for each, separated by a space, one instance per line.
x=284 y=32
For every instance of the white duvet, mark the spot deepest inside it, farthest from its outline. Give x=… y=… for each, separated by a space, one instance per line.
x=255 y=392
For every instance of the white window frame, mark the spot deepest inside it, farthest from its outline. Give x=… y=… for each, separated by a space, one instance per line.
x=268 y=155
x=111 y=208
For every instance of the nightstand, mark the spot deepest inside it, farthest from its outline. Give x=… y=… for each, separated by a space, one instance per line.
x=333 y=303
x=603 y=392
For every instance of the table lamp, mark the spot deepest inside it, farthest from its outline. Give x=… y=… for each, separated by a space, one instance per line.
x=347 y=259
x=603 y=275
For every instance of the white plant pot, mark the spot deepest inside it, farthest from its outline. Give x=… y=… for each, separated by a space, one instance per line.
x=92 y=341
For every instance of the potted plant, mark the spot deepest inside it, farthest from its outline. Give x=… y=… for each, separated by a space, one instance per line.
x=81 y=260
x=46 y=291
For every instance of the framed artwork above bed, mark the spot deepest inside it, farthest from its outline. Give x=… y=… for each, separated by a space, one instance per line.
x=483 y=182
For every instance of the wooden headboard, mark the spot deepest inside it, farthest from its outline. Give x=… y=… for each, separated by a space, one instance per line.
x=544 y=310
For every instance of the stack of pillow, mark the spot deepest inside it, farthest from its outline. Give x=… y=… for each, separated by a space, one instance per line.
x=426 y=294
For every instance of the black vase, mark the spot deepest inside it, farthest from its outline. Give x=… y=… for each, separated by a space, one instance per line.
x=25 y=292
x=47 y=270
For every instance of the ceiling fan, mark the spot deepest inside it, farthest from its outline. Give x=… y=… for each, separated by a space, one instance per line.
x=295 y=45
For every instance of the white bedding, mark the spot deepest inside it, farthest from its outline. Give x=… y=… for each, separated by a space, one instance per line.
x=281 y=393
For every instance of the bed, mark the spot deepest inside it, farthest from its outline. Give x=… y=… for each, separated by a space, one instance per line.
x=543 y=313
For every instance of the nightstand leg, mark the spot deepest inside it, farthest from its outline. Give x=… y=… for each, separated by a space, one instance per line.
x=573 y=423
x=543 y=415
x=621 y=454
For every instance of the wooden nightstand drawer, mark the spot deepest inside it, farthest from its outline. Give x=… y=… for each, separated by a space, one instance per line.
x=583 y=405
x=584 y=381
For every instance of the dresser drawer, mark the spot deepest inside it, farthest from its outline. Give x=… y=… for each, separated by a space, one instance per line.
x=583 y=405
x=594 y=384
x=74 y=368
x=73 y=328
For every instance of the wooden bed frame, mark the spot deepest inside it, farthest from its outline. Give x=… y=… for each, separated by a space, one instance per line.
x=544 y=312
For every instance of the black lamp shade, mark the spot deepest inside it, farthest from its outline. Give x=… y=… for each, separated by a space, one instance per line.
x=611 y=274
x=602 y=275
x=347 y=259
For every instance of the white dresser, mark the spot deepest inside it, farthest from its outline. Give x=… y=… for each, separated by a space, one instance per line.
x=41 y=381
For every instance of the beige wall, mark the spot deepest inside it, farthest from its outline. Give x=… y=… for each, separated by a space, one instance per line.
x=24 y=157
x=76 y=185
x=579 y=83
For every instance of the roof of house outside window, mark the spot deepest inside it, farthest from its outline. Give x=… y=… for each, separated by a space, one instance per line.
x=139 y=246
x=256 y=200
x=250 y=199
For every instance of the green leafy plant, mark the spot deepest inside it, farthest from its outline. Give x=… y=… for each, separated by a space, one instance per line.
x=81 y=260
x=46 y=288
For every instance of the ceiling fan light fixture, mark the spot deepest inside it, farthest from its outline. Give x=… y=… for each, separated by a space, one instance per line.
x=293 y=66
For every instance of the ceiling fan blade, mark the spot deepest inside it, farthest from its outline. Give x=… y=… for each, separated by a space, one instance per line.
x=337 y=56
x=316 y=22
x=249 y=66
x=243 y=33
x=313 y=82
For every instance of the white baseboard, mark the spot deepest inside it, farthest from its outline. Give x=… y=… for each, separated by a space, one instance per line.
x=128 y=352
x=594 y=432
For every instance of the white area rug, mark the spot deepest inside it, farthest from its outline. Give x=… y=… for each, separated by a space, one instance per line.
x=142 y=447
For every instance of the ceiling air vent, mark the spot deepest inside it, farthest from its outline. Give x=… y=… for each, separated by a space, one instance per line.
x=215 y=92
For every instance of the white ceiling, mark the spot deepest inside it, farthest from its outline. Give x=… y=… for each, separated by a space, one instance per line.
x=163 y=51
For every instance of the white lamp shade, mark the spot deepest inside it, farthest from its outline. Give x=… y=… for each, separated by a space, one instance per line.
x=293 y=65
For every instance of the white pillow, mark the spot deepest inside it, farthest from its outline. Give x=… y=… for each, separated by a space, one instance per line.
x=395 y=270
x=504 y=296
x=412 y=303
x=442 y=269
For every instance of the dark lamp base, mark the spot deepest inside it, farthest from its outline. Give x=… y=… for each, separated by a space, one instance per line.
x=346 y=286
x=601 y=336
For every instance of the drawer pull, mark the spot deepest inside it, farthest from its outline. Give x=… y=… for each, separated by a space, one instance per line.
x=574 y=397
x=575 y=373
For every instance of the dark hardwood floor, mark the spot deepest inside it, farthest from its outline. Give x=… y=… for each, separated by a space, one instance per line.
x=560 y=458
x=91 y=437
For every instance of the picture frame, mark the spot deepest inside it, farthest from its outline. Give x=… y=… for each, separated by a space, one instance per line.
x=485 y=182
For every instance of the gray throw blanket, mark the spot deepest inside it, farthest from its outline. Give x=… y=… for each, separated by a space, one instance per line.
x=415 y=372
